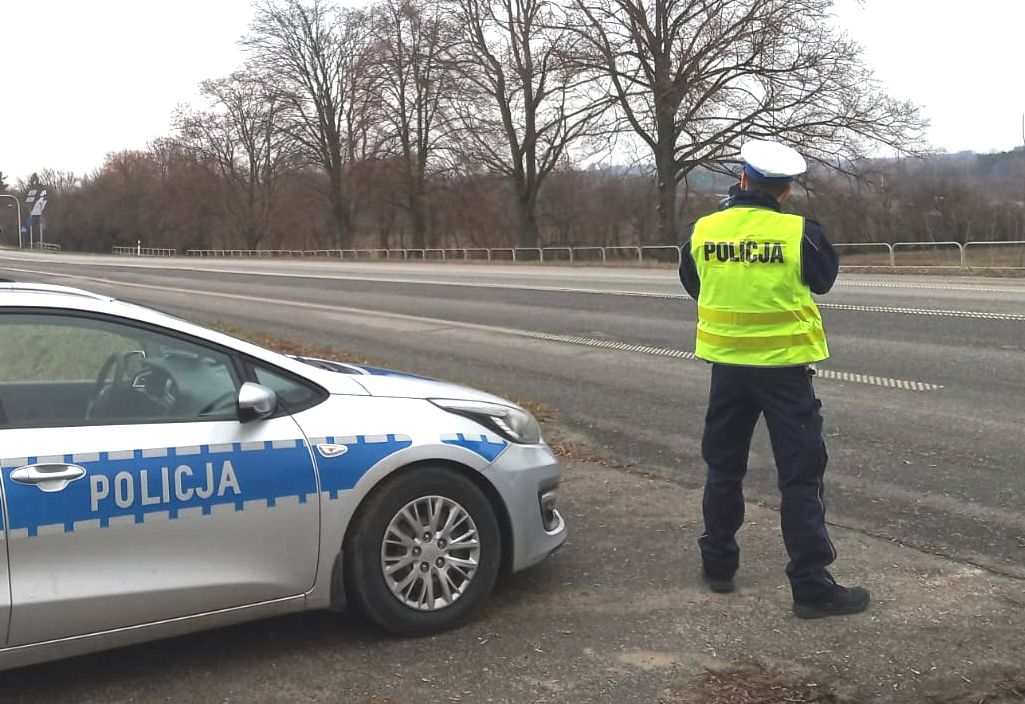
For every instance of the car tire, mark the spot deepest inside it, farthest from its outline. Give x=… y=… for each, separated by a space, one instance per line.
x=381 y=540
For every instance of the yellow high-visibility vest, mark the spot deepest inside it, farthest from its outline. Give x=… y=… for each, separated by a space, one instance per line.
x=754 y=309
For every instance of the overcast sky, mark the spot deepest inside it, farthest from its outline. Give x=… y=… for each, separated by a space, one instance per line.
x=85 y=77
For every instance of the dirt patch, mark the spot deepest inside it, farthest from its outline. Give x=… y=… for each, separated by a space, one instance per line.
x=1005 y=685
x=749 y=682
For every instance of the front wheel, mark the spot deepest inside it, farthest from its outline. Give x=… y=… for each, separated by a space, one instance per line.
x=424 y=552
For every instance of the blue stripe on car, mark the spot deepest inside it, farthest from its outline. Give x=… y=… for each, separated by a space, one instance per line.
x=484 y=447
x=344 y=471
x=140 y=482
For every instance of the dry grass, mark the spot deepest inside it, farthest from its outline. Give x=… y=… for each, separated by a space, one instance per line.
x=285 y=345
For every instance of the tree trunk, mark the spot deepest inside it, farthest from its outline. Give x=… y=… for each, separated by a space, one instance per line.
x=527 y=225
x=339 y=213
x=666 y=174
x=418 y=212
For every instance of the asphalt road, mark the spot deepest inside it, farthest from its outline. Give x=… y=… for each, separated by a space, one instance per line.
x=922 y=396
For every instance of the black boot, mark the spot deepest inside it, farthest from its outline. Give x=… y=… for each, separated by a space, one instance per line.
x=843 y=601
x=719 y=586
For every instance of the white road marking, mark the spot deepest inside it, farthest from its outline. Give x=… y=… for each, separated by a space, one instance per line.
x=926 y=286
x=551 y=337
x=1017 y=317
x=830 y=374
x=520 y=270
x=892 y=310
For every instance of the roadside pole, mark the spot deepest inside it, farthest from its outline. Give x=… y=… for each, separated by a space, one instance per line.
x=36 y=199
x=17 y=203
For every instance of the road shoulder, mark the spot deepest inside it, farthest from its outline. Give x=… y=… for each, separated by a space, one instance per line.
x=625 y=597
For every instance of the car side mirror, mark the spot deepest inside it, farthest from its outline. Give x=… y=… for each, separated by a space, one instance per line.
x=255 y=402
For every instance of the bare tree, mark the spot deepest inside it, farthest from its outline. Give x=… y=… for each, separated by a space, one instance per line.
x=412 y=50
x=57 y=181
x=693 y=79
x=239 y=134
x=525 y=103
x=316 y=57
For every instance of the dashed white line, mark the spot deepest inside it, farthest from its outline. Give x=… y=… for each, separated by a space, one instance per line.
x=830 y=374
x=893 y=310
x=926 y=286
x=1017 y=317
x=551 y=337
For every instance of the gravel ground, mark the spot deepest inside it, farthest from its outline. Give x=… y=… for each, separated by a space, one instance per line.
x=617 y=615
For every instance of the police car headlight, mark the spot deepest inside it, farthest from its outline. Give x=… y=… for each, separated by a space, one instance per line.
x=511 y=422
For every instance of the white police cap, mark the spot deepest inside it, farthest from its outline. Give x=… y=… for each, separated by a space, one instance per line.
x=772 y=161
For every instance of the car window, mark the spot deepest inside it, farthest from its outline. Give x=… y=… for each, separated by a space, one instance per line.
x=292 y=394
x=32 y=350
x=61 y=369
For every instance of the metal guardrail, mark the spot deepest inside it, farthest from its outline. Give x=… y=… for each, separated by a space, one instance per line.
x=145 y=251
x=930 y=246
x=896 y=255
x=45 y=246
x=1016 y=261
x=841 y=246
x=642 y=253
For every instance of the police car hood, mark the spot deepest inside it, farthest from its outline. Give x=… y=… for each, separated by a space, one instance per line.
x=395 y=384
x=416 y=387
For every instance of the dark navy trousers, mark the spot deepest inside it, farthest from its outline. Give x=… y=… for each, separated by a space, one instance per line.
x=784 y=395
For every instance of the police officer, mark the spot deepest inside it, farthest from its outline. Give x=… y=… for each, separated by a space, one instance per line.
x=752 y=270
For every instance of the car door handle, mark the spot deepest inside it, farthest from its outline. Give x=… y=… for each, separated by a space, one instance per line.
x=48 y=477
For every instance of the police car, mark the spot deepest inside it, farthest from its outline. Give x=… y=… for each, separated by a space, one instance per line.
x=159 y=477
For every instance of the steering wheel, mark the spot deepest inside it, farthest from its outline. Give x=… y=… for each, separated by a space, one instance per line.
x=101 y=389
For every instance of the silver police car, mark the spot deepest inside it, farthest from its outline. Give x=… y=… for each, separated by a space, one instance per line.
x=159 y=477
